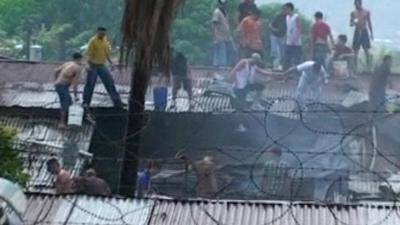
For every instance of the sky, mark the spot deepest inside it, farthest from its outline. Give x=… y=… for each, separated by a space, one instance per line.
x=385 y=15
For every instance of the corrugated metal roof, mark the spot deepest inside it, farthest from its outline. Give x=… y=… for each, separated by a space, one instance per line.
x=28 y=84
x=36 y=95
x=47 y=209
x=40 y=139
x=168 y=212
x=43 y=72
x=44 y=210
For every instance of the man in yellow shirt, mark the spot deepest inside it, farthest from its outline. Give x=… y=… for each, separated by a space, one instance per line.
x=98 y=53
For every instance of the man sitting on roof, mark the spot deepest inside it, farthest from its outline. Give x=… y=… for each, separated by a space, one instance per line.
x=67 y=74
x=343 y=53
x=90 y=184
x=64 y=183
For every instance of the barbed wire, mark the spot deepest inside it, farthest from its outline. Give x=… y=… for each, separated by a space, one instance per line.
x=270 y=141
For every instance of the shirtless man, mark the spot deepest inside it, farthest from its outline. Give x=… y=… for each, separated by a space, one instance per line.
x=90 y=184
x=64 y=183
x=207 y=185
x=205 y=171
x=67 y=74
x=361 y=19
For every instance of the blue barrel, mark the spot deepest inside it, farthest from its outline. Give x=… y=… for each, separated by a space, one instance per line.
x=160 y=98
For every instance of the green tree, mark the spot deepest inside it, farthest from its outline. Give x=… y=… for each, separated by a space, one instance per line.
x=11 y=167
x=59 y=24
x=192 y=31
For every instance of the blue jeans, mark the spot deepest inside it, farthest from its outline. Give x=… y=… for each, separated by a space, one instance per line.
x=292 y=56
x=221 y=53
x=277 y=47
x=105 y=77
x=65 y=98
x=321 y=53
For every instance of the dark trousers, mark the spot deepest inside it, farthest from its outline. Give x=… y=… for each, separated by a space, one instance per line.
x=65 y=98
x=105 y=76
x=292 y=56
x=240 y=102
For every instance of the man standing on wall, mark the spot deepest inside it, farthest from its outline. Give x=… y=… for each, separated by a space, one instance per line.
x=181 y=78
x=321 y=32
x=278 y=33
x=250 y=31
x=98 y=53
x=361 y=19
x=293 y=36
x=222 y=36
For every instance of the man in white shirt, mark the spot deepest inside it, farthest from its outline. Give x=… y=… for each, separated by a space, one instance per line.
x=313 y=76
x=294 y=32
x=245 y=78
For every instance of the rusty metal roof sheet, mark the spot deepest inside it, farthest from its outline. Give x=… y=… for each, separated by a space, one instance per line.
x=40 y=139
x=44 y=210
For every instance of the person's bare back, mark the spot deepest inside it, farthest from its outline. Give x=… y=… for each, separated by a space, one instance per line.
x=68 y=73
x=207 y=186
x=64 y=183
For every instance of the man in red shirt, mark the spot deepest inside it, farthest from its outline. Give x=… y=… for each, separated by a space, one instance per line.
x=250 y=32
x=320 y=34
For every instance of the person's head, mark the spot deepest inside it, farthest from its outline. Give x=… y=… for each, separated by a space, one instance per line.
x=101 y=32
x=53 y=166
x=288 y=8
x=358 y=4
x=256 y=59
x=317 y=67
x=387 y=60
x=342 y=40
x=318 y=16
x=77 y=57
x=90 y=173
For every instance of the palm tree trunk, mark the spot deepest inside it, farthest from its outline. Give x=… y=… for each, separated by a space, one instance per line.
x=136 y=122
x=145 y=27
